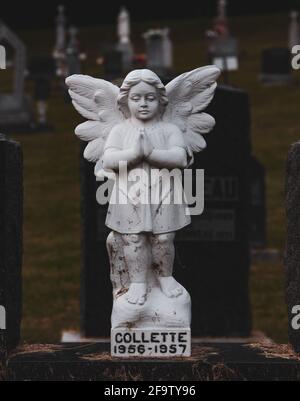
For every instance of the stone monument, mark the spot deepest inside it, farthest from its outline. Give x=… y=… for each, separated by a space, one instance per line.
x=145 y=131
x=276 y=67
x=124 y=45
x=73 y=53
x=222 y=47
x=292 y=252
x=42 y=71
x=11 y=223
x=294 y=32
x=159 y=50
x=59 y=51
x=15 y=109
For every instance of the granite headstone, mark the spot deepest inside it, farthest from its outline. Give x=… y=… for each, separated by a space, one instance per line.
x=292 y=252
x=276 y=66
x=11 y=211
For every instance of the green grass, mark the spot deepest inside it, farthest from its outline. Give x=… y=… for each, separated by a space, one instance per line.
x=51 y=175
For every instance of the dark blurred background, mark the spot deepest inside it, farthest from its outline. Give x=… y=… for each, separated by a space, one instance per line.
x=38 y=14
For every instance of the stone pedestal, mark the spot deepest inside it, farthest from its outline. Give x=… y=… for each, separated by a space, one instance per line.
x=217 y=361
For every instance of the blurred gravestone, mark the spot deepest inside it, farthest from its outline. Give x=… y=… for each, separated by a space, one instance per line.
x=159 y=51
x=124 y=45
x=294 y=31
x=219 y=238
x=42 y=70
x=73 y=56
x=59 y=51
x=224 y=54
x=292 y=253
x=11 y=198
x=113 y=66
x=276 y=66
x=15 y=109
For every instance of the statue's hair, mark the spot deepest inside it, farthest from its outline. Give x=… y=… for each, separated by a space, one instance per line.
x=134 y=78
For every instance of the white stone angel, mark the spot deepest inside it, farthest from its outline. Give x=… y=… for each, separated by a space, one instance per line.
x=148 y=126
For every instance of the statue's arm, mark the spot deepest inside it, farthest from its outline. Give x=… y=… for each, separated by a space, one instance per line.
x=113 y=154
x=112 y=157
x=173 y=157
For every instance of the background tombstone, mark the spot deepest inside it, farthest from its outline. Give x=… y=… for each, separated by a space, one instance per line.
x=11 y=210
x=112 y=63
x=276 y=66
x=124 y=45
x=73 y=54
x=41 y=71
x=15 y=110
x=225 y=54
x=294 y=32
x=292 y=252
x=222 y=48
x=59 y=51
x=221 y=236
x=159 y=51
x=73 y=58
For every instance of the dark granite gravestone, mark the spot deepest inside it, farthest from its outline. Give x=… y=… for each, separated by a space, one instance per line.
x=276 y=66
x=11 y=198
x=292 y=253
x=113 y=67
x=212 y=254
x=258 y=217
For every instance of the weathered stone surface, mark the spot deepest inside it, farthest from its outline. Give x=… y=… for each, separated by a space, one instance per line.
x=11 y=207
x=292 y=253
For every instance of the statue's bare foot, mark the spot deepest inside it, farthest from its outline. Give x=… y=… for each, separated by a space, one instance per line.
x=137 y=293
x=170 y=287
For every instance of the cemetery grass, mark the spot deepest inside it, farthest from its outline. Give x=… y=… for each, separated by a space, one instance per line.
x=52 y=256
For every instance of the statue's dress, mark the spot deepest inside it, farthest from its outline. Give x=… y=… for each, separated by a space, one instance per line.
x=151 y=203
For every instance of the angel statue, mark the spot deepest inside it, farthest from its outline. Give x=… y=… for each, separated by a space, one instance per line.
x=149 y=127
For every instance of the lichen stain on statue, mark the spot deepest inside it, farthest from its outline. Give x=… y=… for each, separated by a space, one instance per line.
x=148 y=127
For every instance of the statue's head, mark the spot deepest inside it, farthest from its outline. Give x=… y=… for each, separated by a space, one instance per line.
x=143 y=95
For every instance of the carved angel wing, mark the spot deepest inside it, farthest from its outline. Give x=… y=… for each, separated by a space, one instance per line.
x=189 y=94
x=96 y=100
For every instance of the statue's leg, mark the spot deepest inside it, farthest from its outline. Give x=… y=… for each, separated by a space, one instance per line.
x=138 y=260
x=163 y=254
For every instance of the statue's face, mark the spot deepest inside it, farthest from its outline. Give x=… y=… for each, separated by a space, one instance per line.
x=143 y=102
